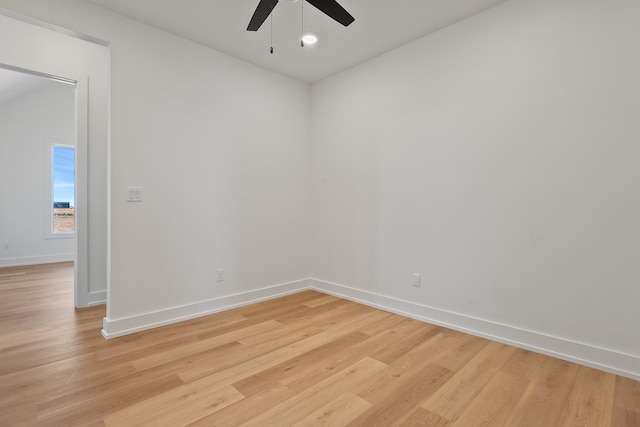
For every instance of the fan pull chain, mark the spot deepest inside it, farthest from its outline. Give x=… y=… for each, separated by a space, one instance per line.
x=302 y=26
x=271 y=50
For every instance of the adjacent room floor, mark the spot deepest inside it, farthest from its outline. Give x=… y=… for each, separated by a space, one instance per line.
x=304 y=359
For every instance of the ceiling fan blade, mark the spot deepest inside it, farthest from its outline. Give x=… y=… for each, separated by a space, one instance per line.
x=332 y=9
x=261 y=14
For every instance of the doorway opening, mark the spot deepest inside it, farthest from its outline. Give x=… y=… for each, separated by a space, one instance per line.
x=38 y=48
x=38 y=138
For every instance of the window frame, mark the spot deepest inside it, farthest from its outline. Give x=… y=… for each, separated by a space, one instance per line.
x=50 y=145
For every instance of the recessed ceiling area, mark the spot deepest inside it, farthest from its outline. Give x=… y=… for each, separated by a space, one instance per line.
x=380 y=26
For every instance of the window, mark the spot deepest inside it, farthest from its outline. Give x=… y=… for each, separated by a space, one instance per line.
x=61 y=201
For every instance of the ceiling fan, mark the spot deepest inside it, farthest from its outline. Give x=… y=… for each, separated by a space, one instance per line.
x=331 y=8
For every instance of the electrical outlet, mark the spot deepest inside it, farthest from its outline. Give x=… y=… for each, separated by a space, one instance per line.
x=220 y=275
x=415 y=280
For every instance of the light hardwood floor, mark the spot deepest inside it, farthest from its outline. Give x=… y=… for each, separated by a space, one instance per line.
x=305 y=359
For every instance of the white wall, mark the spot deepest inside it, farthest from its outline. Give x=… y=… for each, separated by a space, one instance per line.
x=499 y=159
x=26 y=124
x=221 y=150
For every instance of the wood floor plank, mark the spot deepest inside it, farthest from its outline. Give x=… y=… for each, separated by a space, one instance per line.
x=314 y=320
x=457 y=357
x=406 y=344
x=320 y=300
x=258 y=364
x=622 y=417
x=545 y=398
x=404 y=398
x=160 y=358
x=339 y=412
x=18 y=414
x=270 y=308
x=495 y=403
x=185 y=410
x=302 y=359
x=253 y=384
x=292 y=340
x=376 y=389
x=293 y=410
x=315 y=372
x=88 y=395
x=451 y=400
x=88 y=406
x=391 y=322
x=153 y=340
x=12 y=382
x=248 y=408
x=626 y=403
x=590 y=401
x=523 y=363
x=424 y=418
x=286 y=339
x=627 y=394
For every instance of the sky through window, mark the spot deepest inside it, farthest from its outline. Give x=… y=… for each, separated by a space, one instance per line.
x=64 y=175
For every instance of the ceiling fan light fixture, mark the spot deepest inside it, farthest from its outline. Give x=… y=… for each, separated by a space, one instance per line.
x=331 y=8
x=310 y=39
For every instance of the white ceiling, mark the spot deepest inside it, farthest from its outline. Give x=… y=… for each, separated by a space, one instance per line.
x=380 y=25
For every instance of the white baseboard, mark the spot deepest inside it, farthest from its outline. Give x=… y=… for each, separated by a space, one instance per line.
x=97 y=298
x=600 y=358
x=113 y=328
x=34 y=260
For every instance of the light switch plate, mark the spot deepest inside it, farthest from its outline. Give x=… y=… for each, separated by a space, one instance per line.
x=134 y=194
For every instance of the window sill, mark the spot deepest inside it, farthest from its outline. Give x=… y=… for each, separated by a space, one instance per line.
x=53 y=236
